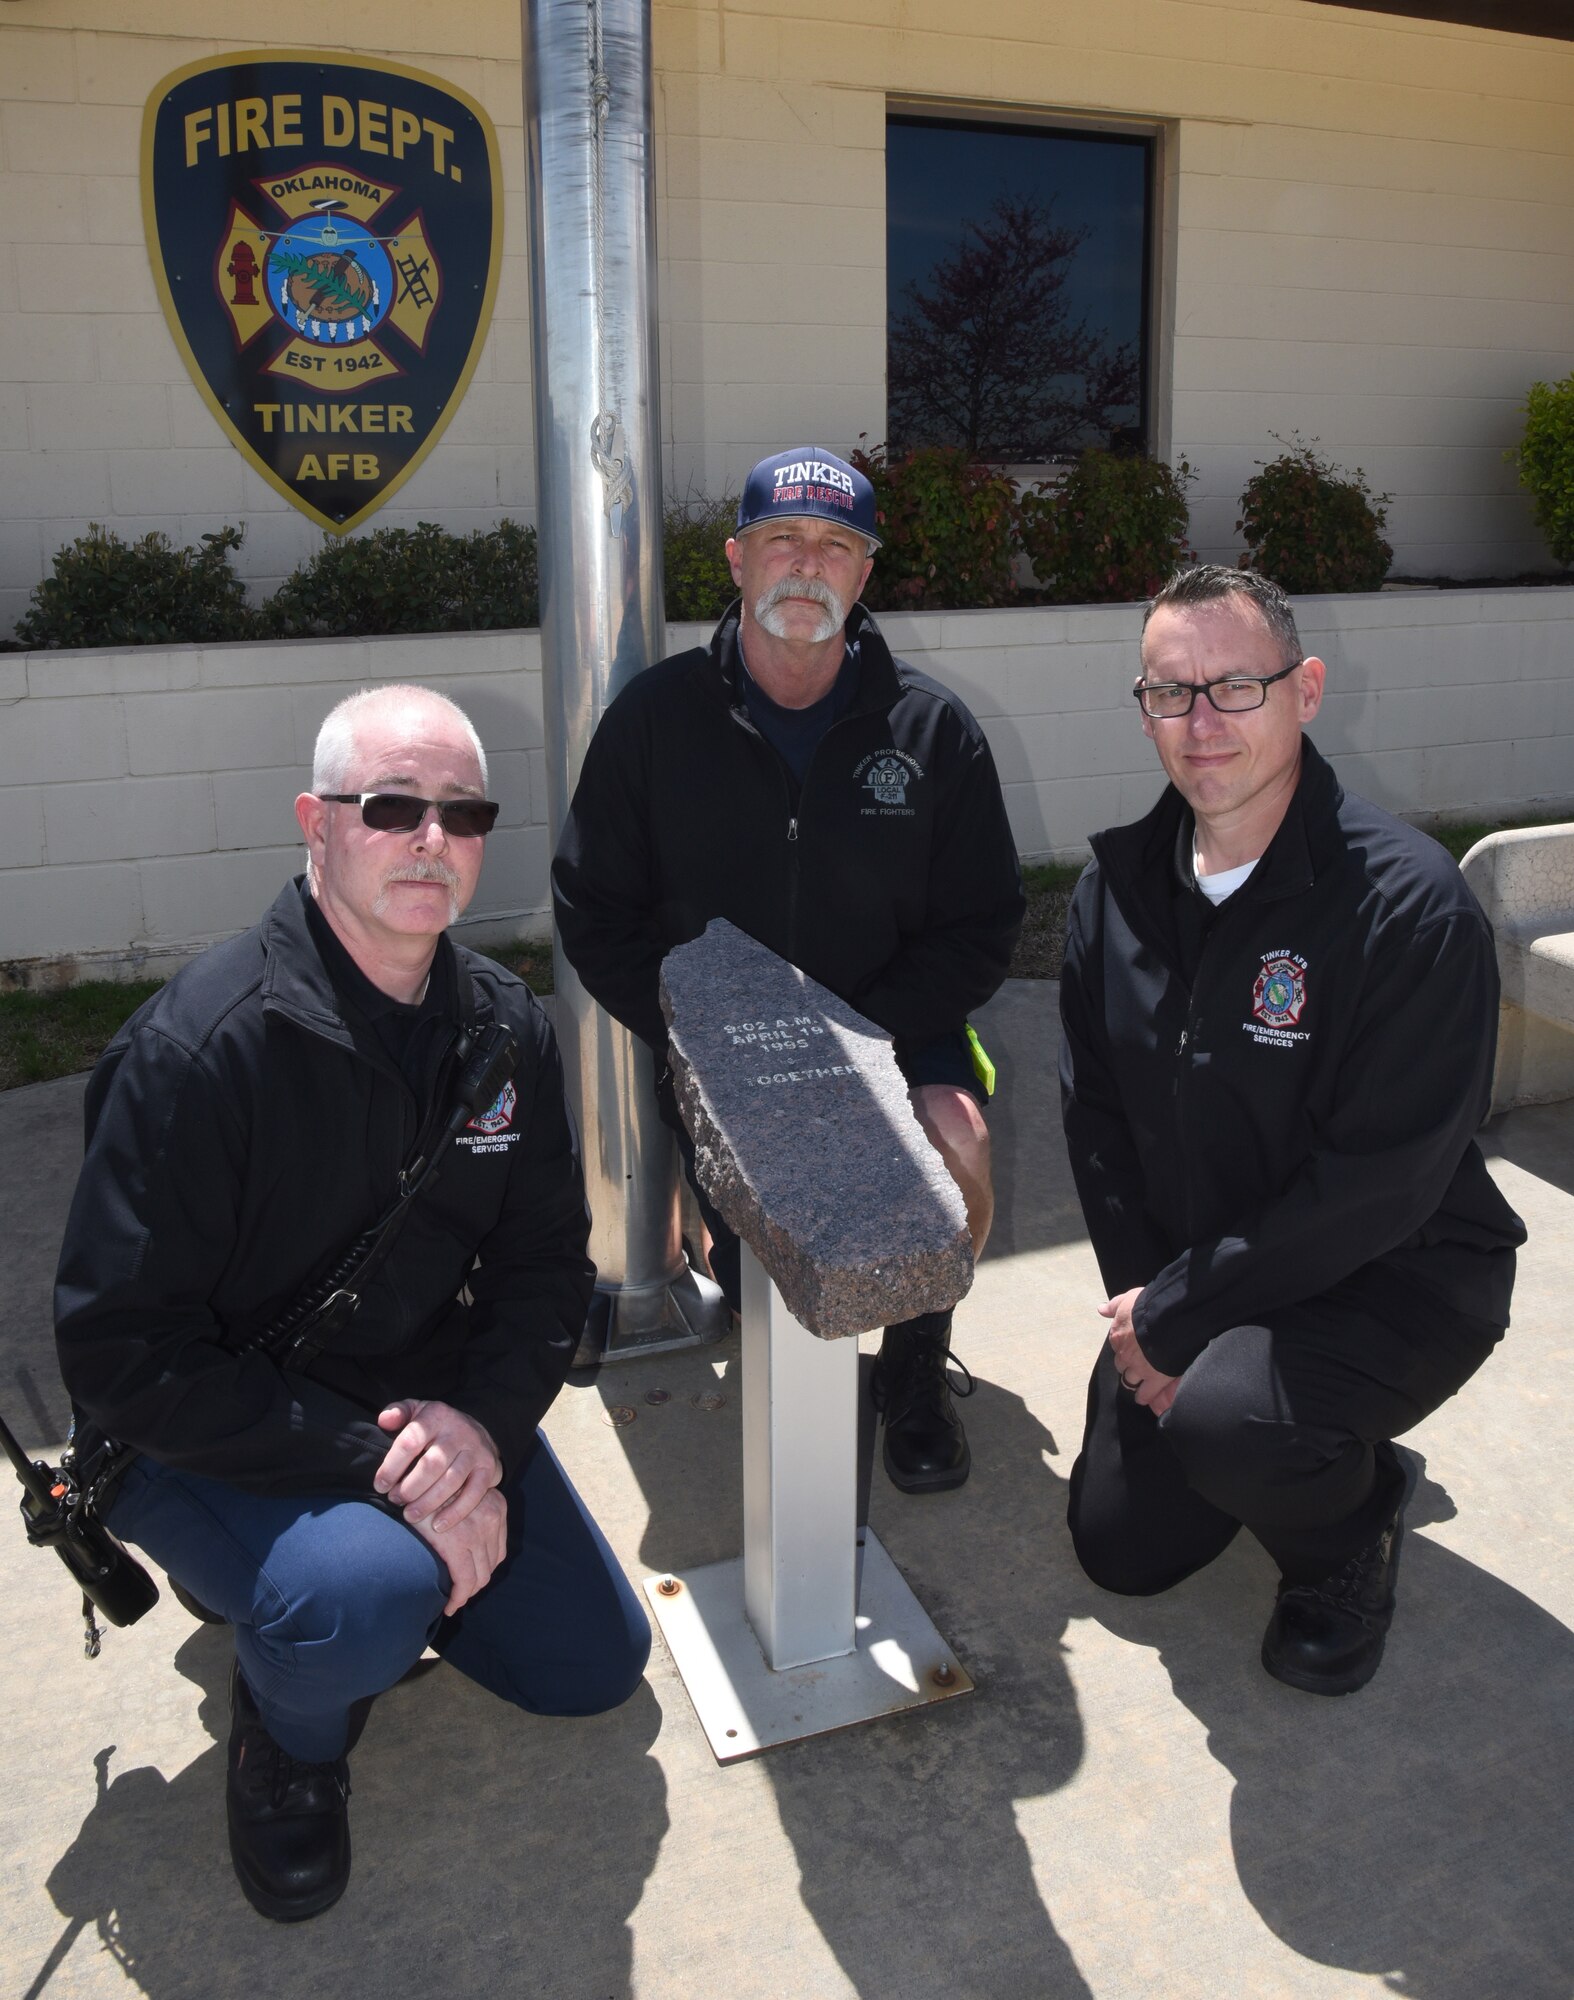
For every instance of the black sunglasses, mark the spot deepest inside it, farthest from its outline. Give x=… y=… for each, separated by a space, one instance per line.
x=402 y=812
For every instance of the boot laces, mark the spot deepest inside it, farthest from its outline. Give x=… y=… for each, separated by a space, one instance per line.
x=1347 y=1586
x=925 y=1377
x=267 y=1767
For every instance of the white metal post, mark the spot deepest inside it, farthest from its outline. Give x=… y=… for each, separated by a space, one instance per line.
x=800 y=1480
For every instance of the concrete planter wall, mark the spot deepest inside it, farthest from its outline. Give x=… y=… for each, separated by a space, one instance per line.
x=145 y=795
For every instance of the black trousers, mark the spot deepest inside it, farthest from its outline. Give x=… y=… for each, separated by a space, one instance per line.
x=1282 y=1427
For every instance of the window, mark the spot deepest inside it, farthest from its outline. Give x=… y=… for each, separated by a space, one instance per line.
x=1017 y=262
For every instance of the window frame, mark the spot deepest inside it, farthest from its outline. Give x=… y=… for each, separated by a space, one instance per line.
x=1158 y=287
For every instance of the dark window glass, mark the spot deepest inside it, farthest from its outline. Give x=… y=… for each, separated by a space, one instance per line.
x=1017 y=288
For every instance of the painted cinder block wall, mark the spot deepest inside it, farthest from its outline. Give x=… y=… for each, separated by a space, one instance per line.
x=145 y=797
x=1368 y=237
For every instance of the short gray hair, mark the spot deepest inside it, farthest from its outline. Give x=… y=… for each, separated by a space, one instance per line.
x=336 y=740
x=1209 y=583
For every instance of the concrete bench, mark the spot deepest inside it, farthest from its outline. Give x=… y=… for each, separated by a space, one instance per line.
x=1524 y=880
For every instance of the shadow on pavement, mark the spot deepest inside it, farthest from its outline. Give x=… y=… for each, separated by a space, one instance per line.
x=1418 y=1830
x=905 y=1833
x=495 y=1852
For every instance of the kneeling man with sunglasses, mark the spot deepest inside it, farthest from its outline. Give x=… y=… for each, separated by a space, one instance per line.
x=1279 y=1011
x=330 y=1362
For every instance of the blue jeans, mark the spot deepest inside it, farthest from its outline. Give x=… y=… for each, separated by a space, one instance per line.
x=334 y=1599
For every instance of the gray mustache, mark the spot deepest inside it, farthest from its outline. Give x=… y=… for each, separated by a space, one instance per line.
x=426 y=871
x=813 y=587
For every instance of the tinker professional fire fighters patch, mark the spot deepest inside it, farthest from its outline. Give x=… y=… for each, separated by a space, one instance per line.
x=883 y=779
x=325 y=236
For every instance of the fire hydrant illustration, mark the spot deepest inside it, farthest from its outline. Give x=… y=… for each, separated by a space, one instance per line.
x=242 y=267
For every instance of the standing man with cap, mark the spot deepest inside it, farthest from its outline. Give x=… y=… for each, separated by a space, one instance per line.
x=842 y=808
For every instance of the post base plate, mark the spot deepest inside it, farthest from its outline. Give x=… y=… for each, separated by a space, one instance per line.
x=745 y=1707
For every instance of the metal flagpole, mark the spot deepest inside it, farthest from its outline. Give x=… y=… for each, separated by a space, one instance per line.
x=588 y=135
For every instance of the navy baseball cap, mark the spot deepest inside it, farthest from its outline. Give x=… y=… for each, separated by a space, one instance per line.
x=807 y=480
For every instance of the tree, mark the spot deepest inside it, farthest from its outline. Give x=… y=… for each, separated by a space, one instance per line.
x=988 y=357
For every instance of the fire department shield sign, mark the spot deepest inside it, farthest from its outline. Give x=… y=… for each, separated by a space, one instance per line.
x=325 y=236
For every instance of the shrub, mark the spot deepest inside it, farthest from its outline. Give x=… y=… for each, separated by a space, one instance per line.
x=106 y=592
x=420 y=579
x=698 y=581
x=948 y=526
x=1312 y=528
x=504 y=587
x=1546 y=463
x=1114 y=530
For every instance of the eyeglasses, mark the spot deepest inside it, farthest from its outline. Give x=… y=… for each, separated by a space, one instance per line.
x=1236 y=694
x=402 y=812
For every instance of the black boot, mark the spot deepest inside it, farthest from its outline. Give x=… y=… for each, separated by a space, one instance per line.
x=1327 y=1637
x=925 y=1446
x=289 y=1821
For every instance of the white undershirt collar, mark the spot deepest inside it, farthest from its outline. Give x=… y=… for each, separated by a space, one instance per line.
x=1225 y=882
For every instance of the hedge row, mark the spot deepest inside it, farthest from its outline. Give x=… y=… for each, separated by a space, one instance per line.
x=106 y=592
x=1546 y=463
x=956 y=535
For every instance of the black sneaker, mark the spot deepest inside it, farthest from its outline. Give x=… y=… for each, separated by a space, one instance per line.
x=1327 y=1637
x=289 y=1821
x=925 y=1449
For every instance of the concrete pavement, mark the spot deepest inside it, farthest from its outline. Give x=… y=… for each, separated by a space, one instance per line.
x=1128 y=1806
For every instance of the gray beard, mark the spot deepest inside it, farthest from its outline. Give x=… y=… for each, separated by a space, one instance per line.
x=769 y=619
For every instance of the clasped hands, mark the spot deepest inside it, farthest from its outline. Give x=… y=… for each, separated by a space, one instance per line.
x=1153 y=1390
x=443 y=1470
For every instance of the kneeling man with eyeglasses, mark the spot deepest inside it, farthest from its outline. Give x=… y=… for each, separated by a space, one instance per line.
x=1279 y=1014
x=330 y=1359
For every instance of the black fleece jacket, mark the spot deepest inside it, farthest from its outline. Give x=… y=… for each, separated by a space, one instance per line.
x=242 y=1129
x=1300 y=1108
x=890 y=875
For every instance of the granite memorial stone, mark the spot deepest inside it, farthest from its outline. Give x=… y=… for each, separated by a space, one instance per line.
x=806 y=1141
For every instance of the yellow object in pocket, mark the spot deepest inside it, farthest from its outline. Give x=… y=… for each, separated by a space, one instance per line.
x=983 y=1068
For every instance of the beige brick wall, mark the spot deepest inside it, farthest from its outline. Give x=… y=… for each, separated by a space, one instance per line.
x=1455 y=703
x=1372 y=243
x=145 y=797
x=148 y=794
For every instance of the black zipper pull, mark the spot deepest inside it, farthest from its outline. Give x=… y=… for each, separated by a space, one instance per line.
x=792 y=829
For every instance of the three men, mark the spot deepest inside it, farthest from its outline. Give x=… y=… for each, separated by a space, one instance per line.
x=1279 y=1006
x=383 y=1485
x=1279 y=1010
x=840 y=807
